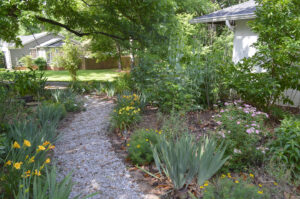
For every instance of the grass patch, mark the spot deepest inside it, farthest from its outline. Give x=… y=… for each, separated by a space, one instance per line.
x=82 y=75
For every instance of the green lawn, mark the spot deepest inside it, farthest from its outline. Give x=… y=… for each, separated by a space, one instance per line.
x=84 y=75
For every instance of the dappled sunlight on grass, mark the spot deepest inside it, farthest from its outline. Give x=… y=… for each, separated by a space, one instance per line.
x=84 y=75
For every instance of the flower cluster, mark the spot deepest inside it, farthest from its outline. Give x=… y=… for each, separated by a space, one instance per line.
x=126 y=112
x=129 y=110
x=27 y=162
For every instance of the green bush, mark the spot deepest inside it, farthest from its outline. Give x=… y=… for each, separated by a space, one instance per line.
x=41 y=63
x=286 y=147
x=139 y=146
x=70 y=100
x=81 y=87
x=234 y=189
x=126 y=112
x=186 y=158
x=70 y=58
x=241 y=126
x=26 y=61
x=29 y=83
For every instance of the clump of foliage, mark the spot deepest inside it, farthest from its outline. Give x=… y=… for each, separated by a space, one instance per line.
x=285 y=148
x=70 y=100
x=139 y=146
x=26 y=61
x=41 y=63
x=185 y=158
x=277 y=57
x=127 y=112
x=233 y=188
x=70 y=59
x=29 y=83
x=241 y=126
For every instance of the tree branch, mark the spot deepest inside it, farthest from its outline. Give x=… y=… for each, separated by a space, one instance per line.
x=77 y=33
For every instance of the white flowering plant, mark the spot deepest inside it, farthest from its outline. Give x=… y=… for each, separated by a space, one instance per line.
x=242 y=127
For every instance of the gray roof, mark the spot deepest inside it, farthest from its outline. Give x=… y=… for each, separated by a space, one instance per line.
x=237 y=12
x=51 y=43
x=29 y=38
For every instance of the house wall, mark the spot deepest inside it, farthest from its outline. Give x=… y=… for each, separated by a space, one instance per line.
x=18 y=53
x=7 y=57
x=243 y=39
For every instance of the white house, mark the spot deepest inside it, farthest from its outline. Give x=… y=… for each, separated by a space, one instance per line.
x=236 y=18
x=43 y=44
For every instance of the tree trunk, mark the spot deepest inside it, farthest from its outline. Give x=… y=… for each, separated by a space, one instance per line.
x=119 y=57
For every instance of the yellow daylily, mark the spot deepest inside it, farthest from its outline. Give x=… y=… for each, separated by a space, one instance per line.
x=27 y=143
x=16 y=145
x=47 y=161
x=17 y=165
x=8 y=163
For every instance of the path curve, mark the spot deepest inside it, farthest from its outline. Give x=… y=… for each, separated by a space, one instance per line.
x=85 y=149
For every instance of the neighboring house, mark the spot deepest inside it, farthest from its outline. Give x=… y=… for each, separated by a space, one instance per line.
x=43 y=44
x=236 y=18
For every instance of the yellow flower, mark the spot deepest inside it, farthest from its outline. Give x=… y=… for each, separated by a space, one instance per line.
x=128 y=144
x=229 y=175
x=47 y=161
x=223 y=176
x=26 y=157
x=206 y=184
x=46 y=143
x=275 y=183
x=7 y=163
x=251 y=175
x=260 y=192
x=16 y=145
x=17 y=165
x=236 y=181
x=159 y=132
x=37 y=173
x=147 y=129
x=31 y=160
x=41 y=148
x=201 y=187
x=28 y=172
x=259 y=185
x=27 y=143
x=51 y=146
x=138 y=146
x=147 y=140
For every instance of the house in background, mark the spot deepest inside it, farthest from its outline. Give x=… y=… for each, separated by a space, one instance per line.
x=236 y=18
x=43 y=44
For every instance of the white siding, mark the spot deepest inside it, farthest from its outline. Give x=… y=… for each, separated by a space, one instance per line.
x=242 y=47
x=243 y=39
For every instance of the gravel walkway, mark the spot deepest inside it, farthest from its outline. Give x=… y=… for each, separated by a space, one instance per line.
x=85 y=149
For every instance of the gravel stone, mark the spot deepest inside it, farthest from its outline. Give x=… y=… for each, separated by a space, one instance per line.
x=85 y=150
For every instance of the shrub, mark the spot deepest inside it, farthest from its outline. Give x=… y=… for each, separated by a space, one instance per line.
x=285 y=148
x=70 y=59
x=139 y=146
x=41 y=63
x=232 y=188
x=81 y=87
x=123 y=84
x=26 y=61
x=242 y=128
x=181 y=160
x=29 y=83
